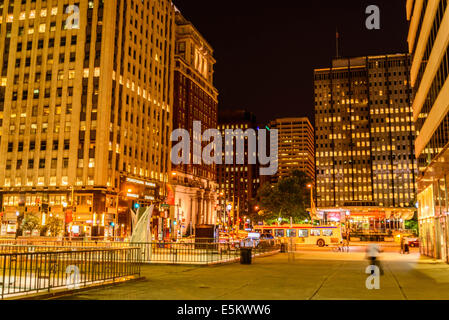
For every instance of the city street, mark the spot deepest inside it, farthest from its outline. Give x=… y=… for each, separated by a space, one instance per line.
x=308 y=274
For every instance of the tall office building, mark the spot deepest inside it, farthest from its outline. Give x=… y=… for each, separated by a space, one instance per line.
x=296 y=146
x=85 y=106
x=238 y=183
x=364 y=141
x=428 y=41
x=195 y=99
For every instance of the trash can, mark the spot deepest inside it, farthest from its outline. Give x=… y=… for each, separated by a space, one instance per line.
x=283 y=247
x=246 y=256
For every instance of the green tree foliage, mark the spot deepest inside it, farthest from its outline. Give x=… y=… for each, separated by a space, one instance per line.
x=289 y=198
x=30 y=222
x=55 y=226
x=413 y=224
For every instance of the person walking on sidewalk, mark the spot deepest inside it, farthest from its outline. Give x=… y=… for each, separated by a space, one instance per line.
x=372 y=254
x=406 y=248
x=348 y=239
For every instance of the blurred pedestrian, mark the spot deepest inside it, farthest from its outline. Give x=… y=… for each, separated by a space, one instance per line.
x=348 y=239
x=406 y=248
x=372 y=254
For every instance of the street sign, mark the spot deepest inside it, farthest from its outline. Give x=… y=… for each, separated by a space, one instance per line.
x=164 y=205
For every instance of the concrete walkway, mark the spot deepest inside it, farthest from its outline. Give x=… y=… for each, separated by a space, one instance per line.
x=304 y=275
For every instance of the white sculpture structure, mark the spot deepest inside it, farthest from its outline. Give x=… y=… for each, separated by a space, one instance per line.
x=142 y=226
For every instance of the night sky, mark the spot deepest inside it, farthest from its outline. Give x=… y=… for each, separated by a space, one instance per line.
x=266 y=50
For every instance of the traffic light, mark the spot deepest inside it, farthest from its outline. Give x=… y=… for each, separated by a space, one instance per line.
x=112 y=224
x=136 y=206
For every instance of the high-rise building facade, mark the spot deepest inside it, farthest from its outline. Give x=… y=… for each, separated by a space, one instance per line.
x=364 y=137
x=296 y=146
x=86 y=101
x=195 y=99
x=428 y=41
x=237 y=183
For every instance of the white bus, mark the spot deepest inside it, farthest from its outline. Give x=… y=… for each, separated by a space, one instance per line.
x=304 y=234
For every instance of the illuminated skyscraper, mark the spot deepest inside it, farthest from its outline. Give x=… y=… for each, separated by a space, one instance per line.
x=195 y=99
x=296 y=146
x=238 y=183
x=85 y=105
x=428 y=41
x=364 y=135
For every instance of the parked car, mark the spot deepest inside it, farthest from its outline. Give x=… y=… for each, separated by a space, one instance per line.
x=413 y=242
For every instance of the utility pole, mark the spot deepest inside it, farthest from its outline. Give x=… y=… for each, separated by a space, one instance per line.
x=337 y=43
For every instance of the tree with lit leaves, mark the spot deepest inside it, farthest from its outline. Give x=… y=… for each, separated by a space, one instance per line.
x=30 y=222
x=289 y=198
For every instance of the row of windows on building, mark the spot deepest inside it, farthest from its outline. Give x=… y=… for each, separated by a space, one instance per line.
x=357 y=74
x=431 y=39
x=321 y=155
x=41 y=181
x=33 y=200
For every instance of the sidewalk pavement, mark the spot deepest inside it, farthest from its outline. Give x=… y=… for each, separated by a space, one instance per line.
x=302 y=275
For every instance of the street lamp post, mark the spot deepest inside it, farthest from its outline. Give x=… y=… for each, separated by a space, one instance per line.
x=64 y=205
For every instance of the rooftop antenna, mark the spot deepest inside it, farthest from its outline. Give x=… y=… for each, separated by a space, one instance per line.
x=337 y=43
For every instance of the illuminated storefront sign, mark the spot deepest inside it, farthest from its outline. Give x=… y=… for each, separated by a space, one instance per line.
x=11 y=228
x=144 y=183
x=334 y=216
